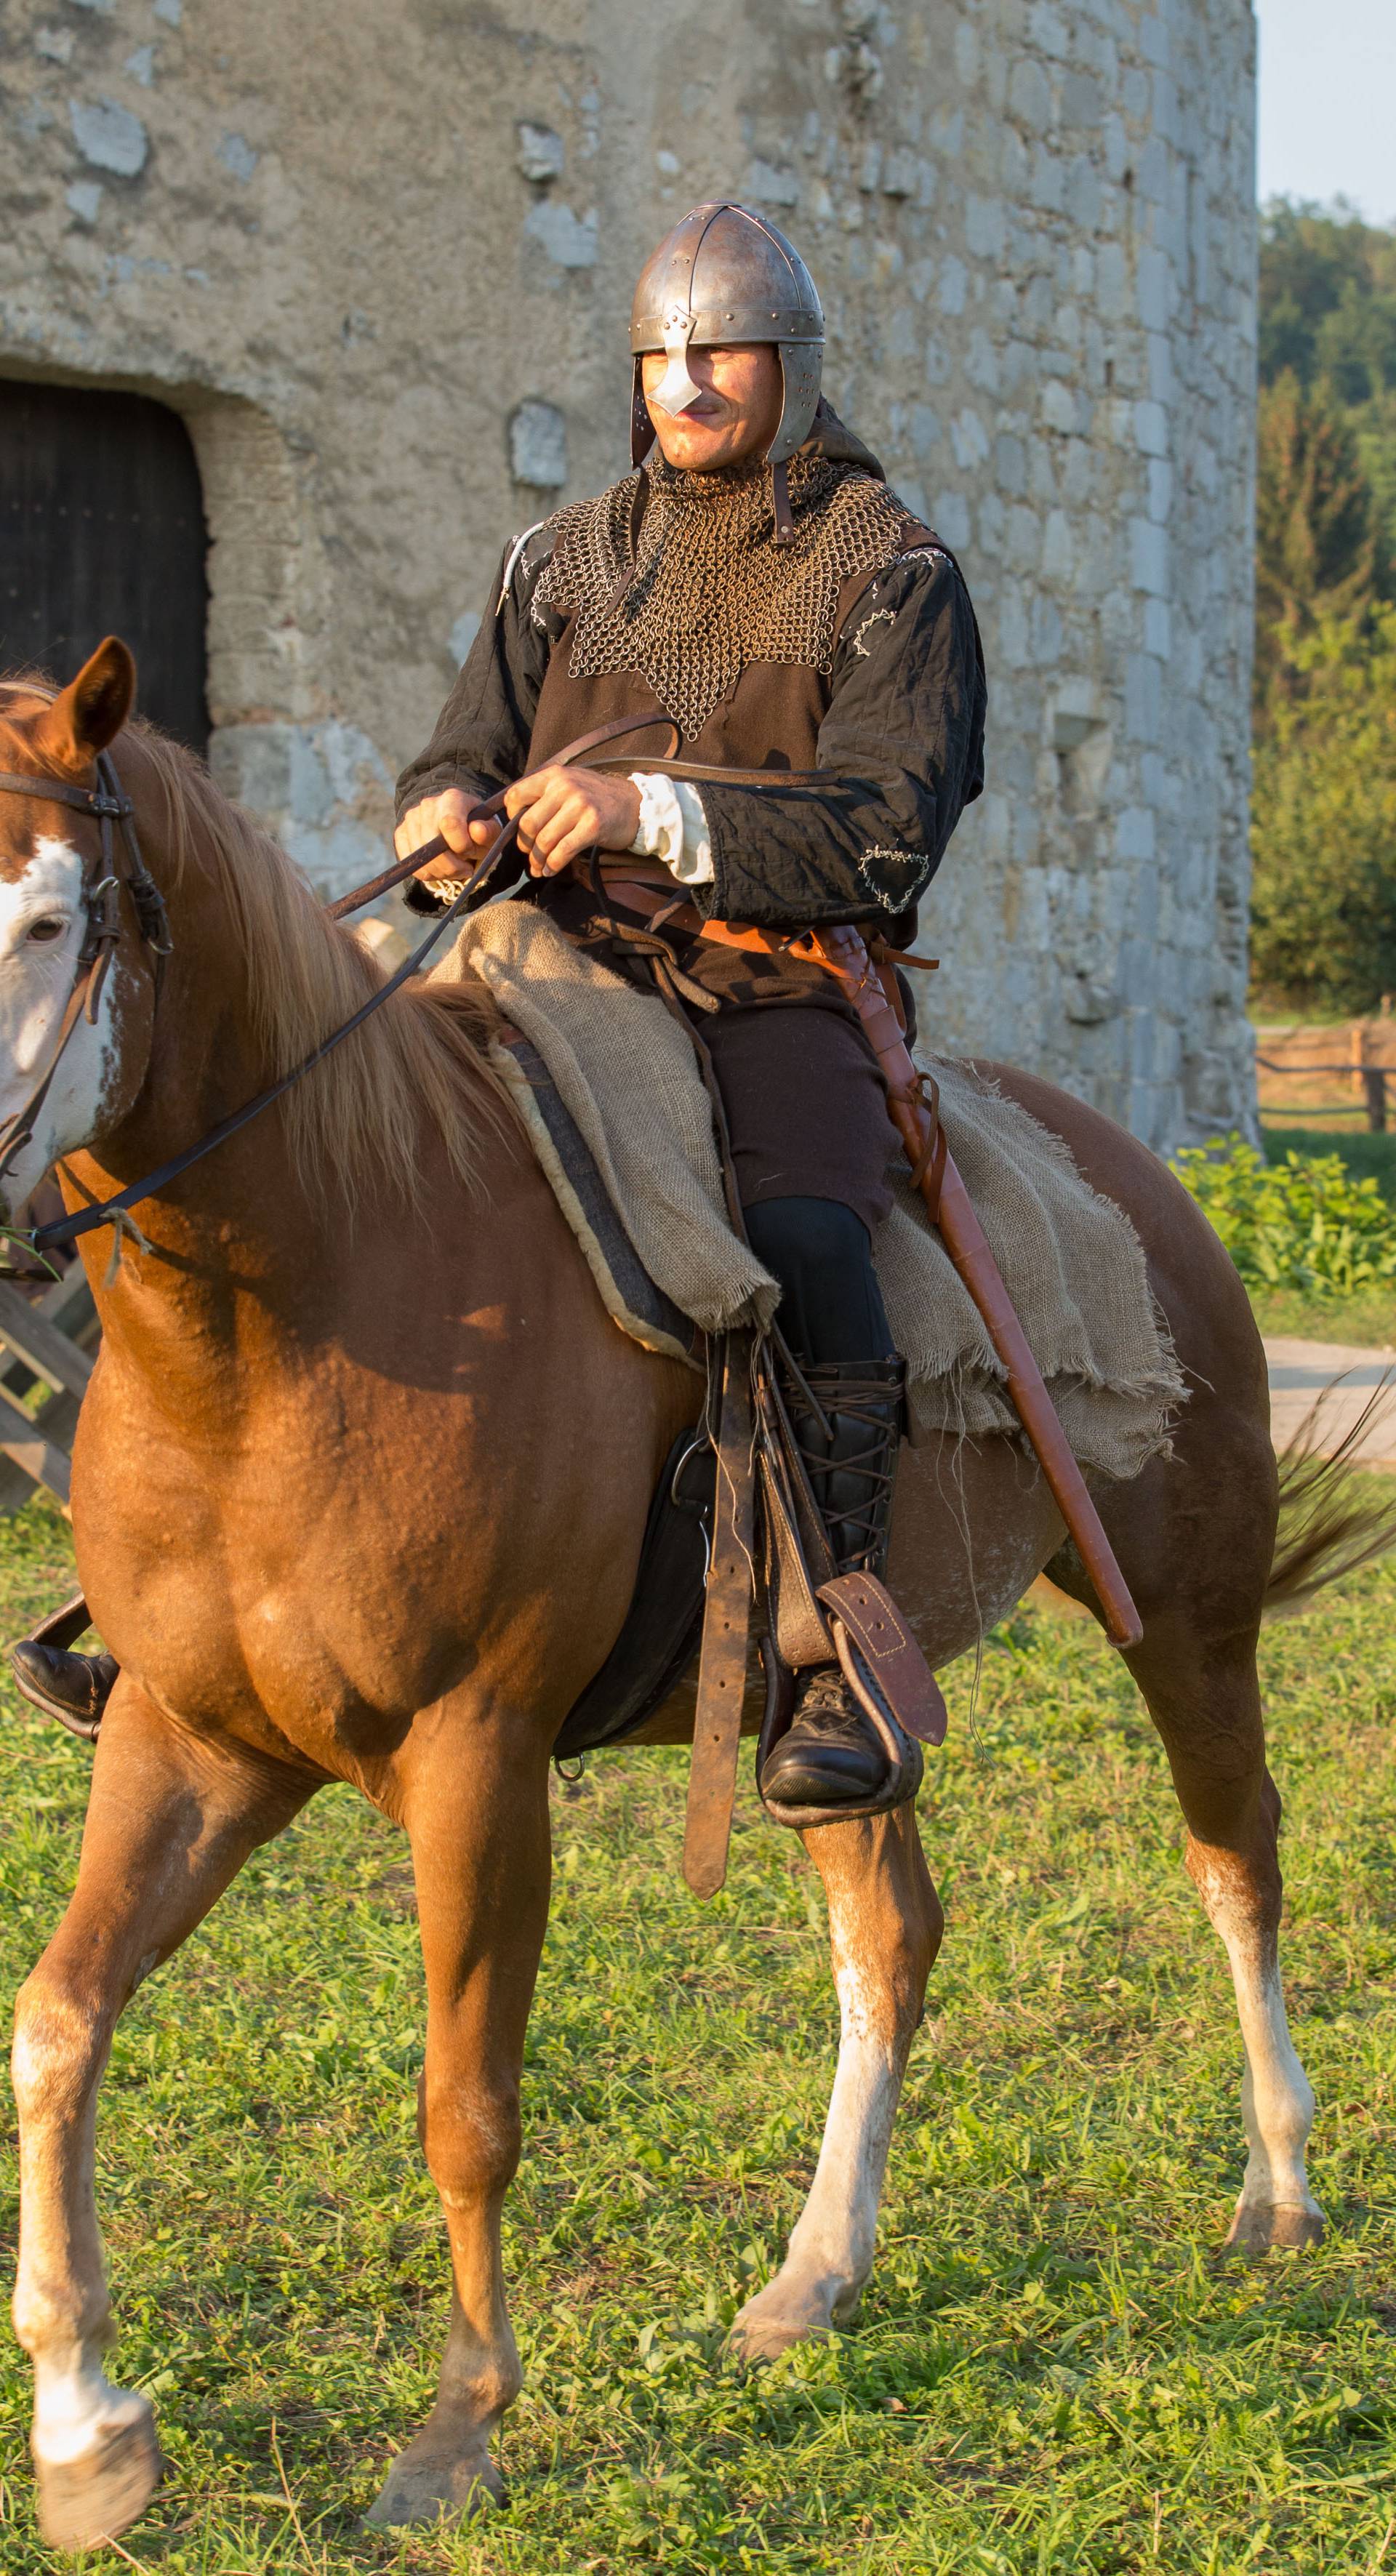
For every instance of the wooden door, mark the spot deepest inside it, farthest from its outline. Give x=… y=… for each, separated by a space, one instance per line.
x=102 y=533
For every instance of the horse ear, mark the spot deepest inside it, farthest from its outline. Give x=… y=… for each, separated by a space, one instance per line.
x=91 y=711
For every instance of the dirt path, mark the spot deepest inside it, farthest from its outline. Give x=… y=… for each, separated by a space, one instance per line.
x=1301 y=1375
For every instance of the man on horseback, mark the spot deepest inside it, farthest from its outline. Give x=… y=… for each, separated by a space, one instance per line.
x=755 y=582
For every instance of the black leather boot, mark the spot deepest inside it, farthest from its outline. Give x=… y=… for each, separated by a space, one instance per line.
x=73 y=1688
x=831 y=1755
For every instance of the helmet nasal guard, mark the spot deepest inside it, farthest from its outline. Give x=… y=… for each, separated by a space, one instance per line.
x=724 y=278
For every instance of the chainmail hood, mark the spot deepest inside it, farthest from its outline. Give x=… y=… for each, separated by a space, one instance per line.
x=711 y=590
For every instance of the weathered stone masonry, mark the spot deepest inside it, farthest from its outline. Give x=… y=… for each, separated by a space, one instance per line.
x=380 y=257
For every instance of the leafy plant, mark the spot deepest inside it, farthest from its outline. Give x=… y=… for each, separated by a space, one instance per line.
x=1305 y=1223
x=1323 y=833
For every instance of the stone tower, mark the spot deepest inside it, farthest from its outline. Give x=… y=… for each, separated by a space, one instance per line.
x=380 y=259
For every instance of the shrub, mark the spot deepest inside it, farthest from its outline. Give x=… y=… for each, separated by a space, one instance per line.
x=1323 y=897
x=1304 y=1223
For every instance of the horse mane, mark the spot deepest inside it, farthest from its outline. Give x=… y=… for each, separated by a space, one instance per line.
x=420 y=1063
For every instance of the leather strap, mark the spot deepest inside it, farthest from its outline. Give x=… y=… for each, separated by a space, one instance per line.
x=717 y=1724
x=63 y=1626
x=865 y=1609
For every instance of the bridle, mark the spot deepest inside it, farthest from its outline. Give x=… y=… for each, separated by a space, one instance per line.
x=109 y=804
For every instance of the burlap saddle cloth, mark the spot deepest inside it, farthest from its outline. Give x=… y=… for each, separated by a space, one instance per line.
x=610 y=1093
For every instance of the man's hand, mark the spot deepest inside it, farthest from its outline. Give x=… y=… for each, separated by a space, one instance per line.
x=565 y=811
x=445 y=816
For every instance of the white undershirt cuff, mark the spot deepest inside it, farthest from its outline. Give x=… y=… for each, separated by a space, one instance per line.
x=673 y=827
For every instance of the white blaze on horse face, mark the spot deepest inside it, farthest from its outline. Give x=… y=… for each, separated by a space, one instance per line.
x=42 y=922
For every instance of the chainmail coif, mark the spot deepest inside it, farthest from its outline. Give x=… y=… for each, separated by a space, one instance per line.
x=712 y=590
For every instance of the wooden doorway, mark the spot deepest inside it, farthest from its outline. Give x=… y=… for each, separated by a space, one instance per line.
x=102 y=533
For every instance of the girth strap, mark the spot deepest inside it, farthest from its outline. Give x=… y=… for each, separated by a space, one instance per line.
x=717 y=1721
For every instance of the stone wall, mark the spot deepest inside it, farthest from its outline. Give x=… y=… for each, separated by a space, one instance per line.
x=381 y=260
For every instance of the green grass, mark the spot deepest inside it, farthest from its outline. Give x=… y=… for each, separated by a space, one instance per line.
x=1367 y=1321
x=1052 y=2371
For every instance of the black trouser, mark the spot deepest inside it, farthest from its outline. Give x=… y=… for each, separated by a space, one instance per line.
x=821 y=1253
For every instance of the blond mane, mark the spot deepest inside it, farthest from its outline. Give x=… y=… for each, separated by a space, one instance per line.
x=363 y=1116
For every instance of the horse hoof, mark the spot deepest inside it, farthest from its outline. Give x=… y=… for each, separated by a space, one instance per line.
x=430 y=2485
x=761 y=2332
x=1263 y=2227
x=86 y=2501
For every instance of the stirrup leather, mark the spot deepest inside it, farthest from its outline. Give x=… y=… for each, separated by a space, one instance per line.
x=843 y=1424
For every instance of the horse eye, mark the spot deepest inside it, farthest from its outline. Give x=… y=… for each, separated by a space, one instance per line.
x=46 y=929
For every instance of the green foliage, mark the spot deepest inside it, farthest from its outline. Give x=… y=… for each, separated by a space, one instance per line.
x=1324 y=912
x=1328 y=318
x=1317 y=551
x=1305 y=1223
x=1051 y=2369
x=1323 y=824
x=1367 y=1154
x=1327 y=301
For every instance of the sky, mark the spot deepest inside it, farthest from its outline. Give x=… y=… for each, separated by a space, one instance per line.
x=1328 y=102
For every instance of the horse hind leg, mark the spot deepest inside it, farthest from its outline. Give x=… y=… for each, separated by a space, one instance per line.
x=1207 y=1709
x=169 y=1823
x=885 y=1927
x=1241 y=1890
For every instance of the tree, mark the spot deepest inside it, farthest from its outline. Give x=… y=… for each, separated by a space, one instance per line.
x=1318 y=551
x=1327 y=300
x=1323 y=906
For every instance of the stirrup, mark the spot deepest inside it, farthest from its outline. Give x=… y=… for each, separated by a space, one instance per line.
x=53 y=1639
x=904 y=1768
x=847 y=1464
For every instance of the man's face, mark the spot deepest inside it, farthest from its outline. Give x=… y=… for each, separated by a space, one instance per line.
x=735 y=414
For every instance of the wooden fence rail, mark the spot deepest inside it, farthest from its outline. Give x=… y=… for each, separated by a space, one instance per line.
x=45 y=1342
x=1372 y=1078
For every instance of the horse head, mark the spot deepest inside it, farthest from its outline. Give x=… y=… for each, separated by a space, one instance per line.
x=60 y=925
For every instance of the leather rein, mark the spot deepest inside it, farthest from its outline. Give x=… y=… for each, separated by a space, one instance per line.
x=109 y=804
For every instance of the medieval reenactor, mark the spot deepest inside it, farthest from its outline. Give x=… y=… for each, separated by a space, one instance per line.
x=755 y=581
x=754 y=587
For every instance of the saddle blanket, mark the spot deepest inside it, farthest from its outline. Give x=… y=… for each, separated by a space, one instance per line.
x=613 y=1101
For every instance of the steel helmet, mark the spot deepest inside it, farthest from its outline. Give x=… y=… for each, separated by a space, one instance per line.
x=723 y=277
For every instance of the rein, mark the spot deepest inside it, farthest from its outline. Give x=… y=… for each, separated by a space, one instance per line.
x=110 y=804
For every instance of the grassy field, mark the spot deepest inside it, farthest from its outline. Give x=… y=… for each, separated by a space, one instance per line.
x=1053 y=2370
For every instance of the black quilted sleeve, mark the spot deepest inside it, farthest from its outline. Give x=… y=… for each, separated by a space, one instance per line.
x=902 y=747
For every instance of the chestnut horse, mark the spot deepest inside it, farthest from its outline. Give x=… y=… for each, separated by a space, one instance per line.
x=358 y=1494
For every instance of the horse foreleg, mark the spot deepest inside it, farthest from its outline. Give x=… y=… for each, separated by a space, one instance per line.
x=477 y=1815
x=885 y=1926
x=169 y=1823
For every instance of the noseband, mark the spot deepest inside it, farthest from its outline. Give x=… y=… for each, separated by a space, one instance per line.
x=109 y=804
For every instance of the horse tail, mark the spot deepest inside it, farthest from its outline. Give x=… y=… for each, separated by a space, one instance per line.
x=1333 y=1518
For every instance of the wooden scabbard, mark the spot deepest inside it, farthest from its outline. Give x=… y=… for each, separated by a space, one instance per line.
x=965 y=1241
x=717 y=1722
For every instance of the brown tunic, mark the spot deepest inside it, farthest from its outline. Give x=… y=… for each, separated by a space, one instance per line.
x=806 y=1109
x=895 y=726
